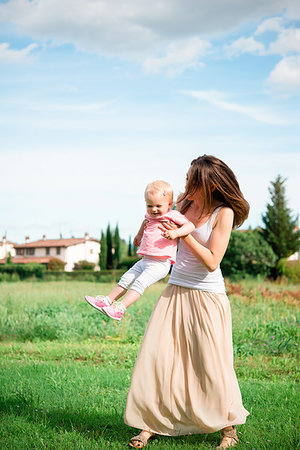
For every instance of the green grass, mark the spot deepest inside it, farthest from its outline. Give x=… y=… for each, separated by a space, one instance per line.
x=65 y=369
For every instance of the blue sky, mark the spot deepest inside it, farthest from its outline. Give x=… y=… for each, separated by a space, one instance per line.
x=98 y=98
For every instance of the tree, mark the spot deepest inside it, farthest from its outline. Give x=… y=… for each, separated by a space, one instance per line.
x=248 y=254
x=109 y=255
x=8 y=259
x=280 y=229
x=117 y=247
x=129 y=252
x=103 y=252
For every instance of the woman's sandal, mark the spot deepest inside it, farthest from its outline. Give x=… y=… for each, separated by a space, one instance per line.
x=229 y=438
x=141 y=440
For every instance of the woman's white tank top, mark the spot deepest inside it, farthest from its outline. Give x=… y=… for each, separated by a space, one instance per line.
x=189 y=272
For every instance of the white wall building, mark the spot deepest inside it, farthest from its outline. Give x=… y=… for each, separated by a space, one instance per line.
x=70 y=251
x=6 y=248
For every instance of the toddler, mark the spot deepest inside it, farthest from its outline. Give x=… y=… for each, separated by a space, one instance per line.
x=157 y=247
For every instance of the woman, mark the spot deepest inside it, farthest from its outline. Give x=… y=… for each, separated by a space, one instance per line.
x=183 y=381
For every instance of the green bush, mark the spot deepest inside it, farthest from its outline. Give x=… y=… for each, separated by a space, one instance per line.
x=84 y=265
x=289 y=270
x=128 y=262
x=56 y=265
x=21 y=271
x=248 y=254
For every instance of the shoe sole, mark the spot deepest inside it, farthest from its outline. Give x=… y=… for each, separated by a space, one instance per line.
x=94 y=306
x=114 y=318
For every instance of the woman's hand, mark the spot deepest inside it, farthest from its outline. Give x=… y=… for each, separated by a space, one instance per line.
x=169 y=229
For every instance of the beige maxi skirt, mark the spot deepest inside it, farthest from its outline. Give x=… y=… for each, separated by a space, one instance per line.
x=183 y=381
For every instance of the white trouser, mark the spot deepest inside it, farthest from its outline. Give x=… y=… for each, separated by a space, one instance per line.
x=145 y=272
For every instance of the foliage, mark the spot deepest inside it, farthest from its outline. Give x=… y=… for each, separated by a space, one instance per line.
x=109 y=255
x=247 y=254
x=103 y=252
x=280 y=229
x=117 y=247
x=289 y=270
x=129 y=251
x=8 y=259
x=128 y=262
x=22 y=271
x=84 y=265
x=56 y=264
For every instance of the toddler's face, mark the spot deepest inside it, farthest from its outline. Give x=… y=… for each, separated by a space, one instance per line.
x=157 y=204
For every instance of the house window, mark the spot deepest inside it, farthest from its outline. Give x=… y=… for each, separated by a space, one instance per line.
x=20 y=251
x=30 y=251
x=91 y=251
x=58 y=250
x=48 y=251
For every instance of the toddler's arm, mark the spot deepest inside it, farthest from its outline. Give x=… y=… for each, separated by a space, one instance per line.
x=138 y=238
x=184 y=230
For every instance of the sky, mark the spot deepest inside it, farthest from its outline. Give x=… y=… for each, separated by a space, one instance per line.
x=100 y=97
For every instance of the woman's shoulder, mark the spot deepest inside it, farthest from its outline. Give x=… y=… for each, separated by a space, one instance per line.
x=224 y=214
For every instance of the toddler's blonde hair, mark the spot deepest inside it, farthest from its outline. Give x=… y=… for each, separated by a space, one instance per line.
x=160 y=187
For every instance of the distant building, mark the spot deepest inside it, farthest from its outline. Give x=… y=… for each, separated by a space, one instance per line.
x=6 y=249
x=70 y=251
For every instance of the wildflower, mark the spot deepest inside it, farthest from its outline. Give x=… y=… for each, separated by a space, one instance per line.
x=264 y=345
x=272 y=337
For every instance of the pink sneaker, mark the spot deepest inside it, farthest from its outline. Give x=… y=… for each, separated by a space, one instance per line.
x=115 y=311
x=98 y=302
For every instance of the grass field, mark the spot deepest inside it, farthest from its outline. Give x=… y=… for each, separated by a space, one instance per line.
x=65 y=369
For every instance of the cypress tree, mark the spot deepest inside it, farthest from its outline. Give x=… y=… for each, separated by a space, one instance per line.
x=109 y=256
x=117 y=247
x=103 y=252
x=280 y=229
x=129 y=252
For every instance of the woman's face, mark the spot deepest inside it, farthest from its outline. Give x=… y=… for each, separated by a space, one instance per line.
x=195 y=196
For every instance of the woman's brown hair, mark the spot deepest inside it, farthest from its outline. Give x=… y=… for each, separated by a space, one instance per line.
x=218 y=184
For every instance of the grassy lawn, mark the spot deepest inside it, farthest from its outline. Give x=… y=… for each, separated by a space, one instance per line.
x=65 y=369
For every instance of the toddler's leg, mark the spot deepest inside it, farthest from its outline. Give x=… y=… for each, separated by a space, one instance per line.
x=117 y=292
x=154 y=270
x=126 y=280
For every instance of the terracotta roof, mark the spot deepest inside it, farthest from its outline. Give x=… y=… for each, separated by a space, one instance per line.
x=55 y=242
x=29 y=259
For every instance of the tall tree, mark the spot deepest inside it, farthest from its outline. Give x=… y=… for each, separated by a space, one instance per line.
x=109 y=256
x=117 y=247
x=280 y=229
x=129 y=252
x=103 y=252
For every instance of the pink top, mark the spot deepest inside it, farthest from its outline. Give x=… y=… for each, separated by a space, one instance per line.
x=156 y=245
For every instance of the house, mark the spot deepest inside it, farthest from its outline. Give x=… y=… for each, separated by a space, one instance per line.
x=70 y=251
x=6 y=249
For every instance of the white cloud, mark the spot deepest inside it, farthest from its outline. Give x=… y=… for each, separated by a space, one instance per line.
x=288 y=41
x=272 y=24
x=217 y=99
x=14 y=56
x=244 y=45
x=286 y=73
x=179 y=56
x=129 y=28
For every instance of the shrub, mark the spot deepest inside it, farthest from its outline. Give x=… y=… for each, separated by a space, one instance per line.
x=55 y=264
x=126 y=263
x=248 y=254
x=84 y=265
x=289 y=270
x=22 y=270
